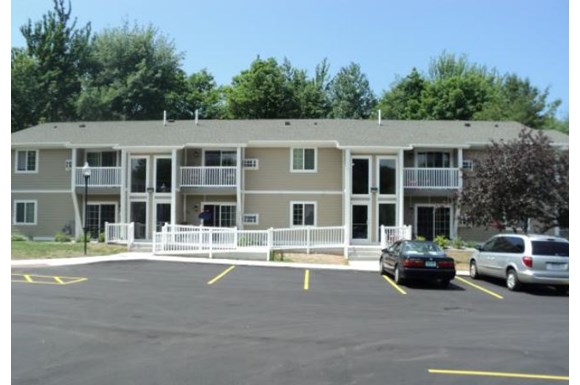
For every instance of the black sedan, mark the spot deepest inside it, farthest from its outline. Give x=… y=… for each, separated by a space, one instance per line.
x=424 y=260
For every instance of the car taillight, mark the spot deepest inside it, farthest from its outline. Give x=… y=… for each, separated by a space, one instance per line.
x=528 y=262
x=413 y=263
x=446 y=264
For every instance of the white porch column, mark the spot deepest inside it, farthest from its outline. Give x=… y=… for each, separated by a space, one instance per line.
x=78 y=230
x=239 y=206
x=455 y=218
x=460 y=166
x=347 y=183
x=400 y=189
x=176 y=185
x=123 y=190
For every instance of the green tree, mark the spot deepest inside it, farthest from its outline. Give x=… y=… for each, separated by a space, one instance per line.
x=25 y=90
x=59 y=52
x=204 y=95
x=518 y=180
x=350 y=94
x=405 y=99
x=136 y=74
x=259 y=92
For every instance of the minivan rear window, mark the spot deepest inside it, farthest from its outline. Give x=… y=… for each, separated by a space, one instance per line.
x=550 y=248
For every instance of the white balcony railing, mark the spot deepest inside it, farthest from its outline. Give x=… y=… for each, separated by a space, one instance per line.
x=100 y=177
x=431 y=178
x=208 y=176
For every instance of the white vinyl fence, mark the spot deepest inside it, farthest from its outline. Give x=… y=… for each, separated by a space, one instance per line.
x=390 y=235
x=123 y=233
x=178 y=239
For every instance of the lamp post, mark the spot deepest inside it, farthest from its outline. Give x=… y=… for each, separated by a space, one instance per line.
x=87 y=175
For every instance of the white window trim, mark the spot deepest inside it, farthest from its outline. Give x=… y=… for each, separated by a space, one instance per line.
x=469 y=162
x=154 y=177
x=203 y=204
x=304 y=171
x=370 y=176
x=221 y=150
x=147 y=175
x=68 y=164
x=250 y=223
x=101 y=157
x=314 y=203
x=16 y=202
x=35 y=171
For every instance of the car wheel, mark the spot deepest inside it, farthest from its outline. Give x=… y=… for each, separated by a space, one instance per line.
x=473 y=270
x=512 y=281
x=398 y=278
x=444 y=283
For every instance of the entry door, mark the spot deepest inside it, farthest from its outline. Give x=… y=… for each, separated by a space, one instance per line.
x=360 y=222
x=433 y=221
x=162 y=215
x=387 y=216
x=139 y=217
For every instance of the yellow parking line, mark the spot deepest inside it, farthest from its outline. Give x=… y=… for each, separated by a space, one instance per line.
x=499 y=374
x=221 y=275
x=306 y=279
x=57 y=279
x=479 y=287
x=27 y=278
x=393 y=284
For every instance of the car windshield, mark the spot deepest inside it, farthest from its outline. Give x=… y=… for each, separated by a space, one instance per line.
x=550 y=248
x=422 y=248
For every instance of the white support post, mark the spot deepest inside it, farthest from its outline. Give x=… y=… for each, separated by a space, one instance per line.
x=382 y=236
x=400 y=189
x=270 y=241
x=239 y=208
x=210 y=243
x=176 y=184
x=460 y=166
x=123 y=188
x=347 y=165
x=78 y=221
x=308 y=240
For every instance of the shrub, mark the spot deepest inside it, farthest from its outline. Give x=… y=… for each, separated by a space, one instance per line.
x=62 y=237
x=458 y=243
x=17 y=236
x=442 y=241
x=471 y=244
x=80 y=238
x=420 y=238
x=102 y=237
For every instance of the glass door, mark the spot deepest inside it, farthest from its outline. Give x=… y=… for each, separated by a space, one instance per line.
x=361 y=175
x=360 y=222
x=139 y=217
x=162 y=215
x=387 y=216
x=433 y=221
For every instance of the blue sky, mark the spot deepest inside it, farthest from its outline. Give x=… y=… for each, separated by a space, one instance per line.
x=387 y=38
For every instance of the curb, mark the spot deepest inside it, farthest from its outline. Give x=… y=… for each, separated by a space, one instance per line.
x=366 y=266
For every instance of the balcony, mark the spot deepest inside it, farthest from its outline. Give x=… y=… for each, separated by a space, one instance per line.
x=432 y=178
x=208 y=176
x=100 y=177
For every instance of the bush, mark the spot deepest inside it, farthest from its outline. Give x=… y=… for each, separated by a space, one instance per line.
x=458 y=243
x=471 y=244
x=442 y=241
x=62 y=237
x=80 y=238
x=420 y=238
x=102 y=237
x=17 y=236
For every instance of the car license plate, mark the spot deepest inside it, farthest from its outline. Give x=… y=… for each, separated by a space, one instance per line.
x=556 y=266
x=430 y=264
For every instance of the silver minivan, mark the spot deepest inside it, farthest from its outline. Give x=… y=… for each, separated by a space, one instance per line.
x=523 y=259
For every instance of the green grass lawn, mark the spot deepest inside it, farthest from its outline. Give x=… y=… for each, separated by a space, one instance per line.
x=46 y=250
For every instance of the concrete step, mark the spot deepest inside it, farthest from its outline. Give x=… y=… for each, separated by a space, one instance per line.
x=364 y=253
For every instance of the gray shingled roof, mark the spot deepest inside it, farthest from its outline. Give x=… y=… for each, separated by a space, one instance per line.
x=391 y=133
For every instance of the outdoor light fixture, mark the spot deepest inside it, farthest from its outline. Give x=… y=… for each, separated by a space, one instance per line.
x=87 y=175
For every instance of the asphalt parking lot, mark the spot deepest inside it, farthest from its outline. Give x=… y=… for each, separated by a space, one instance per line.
x=179 y=323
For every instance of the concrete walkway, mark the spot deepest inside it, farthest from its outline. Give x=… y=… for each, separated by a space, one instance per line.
x=370 y=266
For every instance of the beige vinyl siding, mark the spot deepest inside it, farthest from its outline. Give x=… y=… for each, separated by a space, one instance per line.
x=274 y=171
x=54 y=211
x=274 y=209
x=51 y=174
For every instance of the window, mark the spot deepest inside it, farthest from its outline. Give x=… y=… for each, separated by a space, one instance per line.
x=220 y=158
x=251 y=219
x=468 y=165
x=24 y=212
x=304 y=160
x=102 y=159
x=219 y=215
x=433 y=160
x=97 y=215
x=512 y=245
x=68 y=164
x=303 y=213
x=387 y=176
x=163 y=175
x=26 y=161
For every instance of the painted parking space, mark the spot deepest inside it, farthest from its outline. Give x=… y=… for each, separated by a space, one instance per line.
x=45 y=279
x=479 y=288
x=477 y=373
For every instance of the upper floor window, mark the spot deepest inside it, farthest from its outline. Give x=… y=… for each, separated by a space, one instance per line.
x=24 y=213
x=433 y=159
x=304 y=160
x=26 y=161
x=468 y=165
x=102 y=159
x=219 y=158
